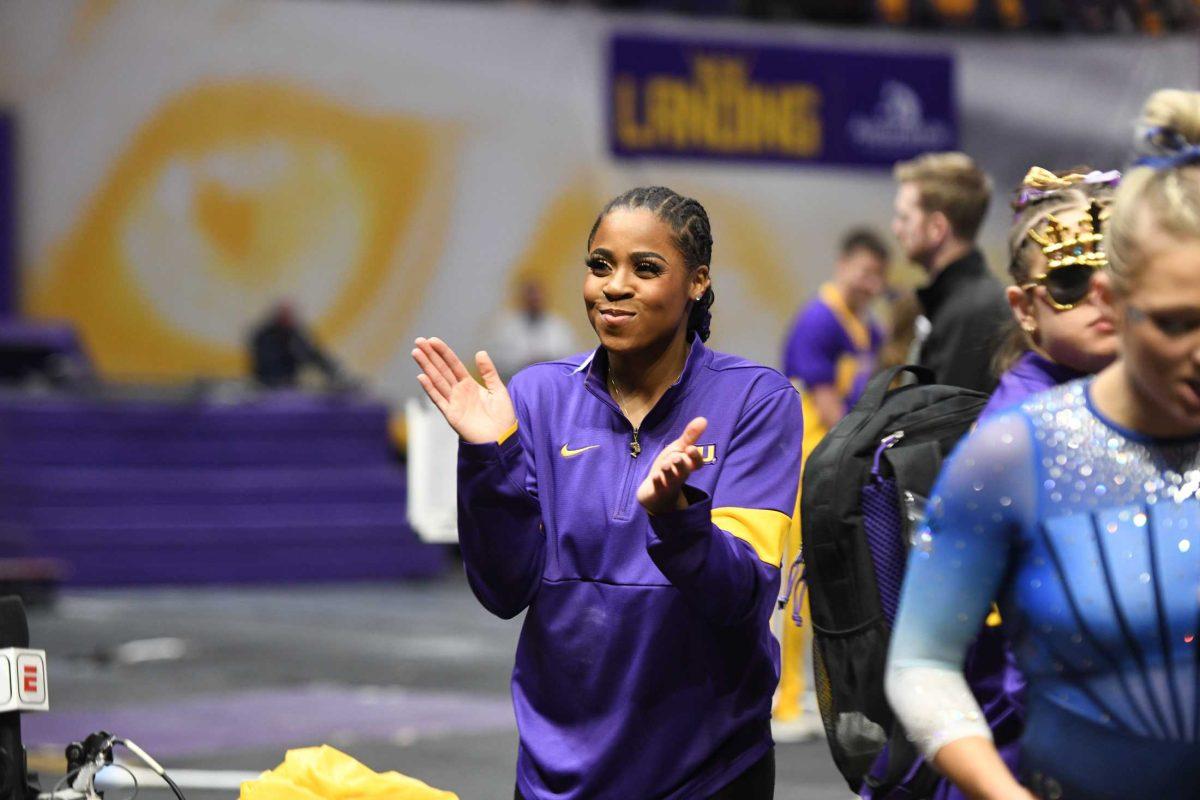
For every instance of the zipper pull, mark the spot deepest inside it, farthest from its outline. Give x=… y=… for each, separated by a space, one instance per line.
x=885 y=443
x=634 y=446
x=793 y=582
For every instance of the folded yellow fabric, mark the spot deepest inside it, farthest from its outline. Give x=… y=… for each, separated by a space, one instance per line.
x=325 y=773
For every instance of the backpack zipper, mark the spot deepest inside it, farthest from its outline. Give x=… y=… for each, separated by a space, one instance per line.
x=885 y=443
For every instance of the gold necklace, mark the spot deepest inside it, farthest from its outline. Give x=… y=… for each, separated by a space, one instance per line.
x=634 y=446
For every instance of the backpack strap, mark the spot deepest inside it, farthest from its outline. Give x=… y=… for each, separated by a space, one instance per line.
x=877 y=389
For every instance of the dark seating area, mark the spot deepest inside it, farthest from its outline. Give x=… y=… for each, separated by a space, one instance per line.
x=266 y=487
x=1046 y=16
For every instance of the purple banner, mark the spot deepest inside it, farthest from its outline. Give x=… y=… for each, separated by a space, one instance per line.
x=675 y=98
x=8 y=214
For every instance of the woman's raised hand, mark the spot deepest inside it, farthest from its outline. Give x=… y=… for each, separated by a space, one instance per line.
x=477 y=413
x=662 y=490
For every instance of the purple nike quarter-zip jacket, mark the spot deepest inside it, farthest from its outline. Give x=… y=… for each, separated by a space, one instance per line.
x=646 y=664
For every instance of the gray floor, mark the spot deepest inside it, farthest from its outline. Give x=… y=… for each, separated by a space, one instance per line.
x=227 y=651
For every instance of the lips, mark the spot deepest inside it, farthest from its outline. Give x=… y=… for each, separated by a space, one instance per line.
x=1192 y=392
x=616 y=317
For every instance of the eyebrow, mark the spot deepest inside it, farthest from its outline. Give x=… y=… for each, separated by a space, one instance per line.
x=606 y=253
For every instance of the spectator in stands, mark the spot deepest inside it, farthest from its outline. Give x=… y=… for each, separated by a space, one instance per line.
x=1087 y=16
x=940 y=204
x=281 y=349
x=530 y=332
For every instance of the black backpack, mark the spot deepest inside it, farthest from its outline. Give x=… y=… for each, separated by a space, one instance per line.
x=864 y=489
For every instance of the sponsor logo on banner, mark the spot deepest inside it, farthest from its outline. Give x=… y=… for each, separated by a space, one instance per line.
x=678 y=98
x=898 y=123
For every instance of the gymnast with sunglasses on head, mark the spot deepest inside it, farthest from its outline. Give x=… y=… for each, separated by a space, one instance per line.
x=1077 y=513
x=1060 y=331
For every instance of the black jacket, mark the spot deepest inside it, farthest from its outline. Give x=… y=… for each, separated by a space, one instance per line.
x=968 y=315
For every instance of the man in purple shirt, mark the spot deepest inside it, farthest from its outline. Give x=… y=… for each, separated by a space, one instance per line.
x=831 y=348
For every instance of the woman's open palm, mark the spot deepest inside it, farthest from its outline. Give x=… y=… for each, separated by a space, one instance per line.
x=477 y=413
x=662 y=490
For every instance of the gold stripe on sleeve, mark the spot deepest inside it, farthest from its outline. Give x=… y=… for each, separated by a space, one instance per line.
x=504 y=437
x=763 y=529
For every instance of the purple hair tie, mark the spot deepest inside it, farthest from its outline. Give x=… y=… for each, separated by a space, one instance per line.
x=1181 y=158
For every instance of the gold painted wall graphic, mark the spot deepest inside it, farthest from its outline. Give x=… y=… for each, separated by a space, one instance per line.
x=393 y=168
x=235 y=195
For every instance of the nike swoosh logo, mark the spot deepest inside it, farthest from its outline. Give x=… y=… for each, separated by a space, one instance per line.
x=568 y=453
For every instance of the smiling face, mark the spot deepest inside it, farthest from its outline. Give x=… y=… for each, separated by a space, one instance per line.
x=1159 y=317
x=638 y=290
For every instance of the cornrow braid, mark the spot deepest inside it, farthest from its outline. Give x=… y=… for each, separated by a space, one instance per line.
x=692 y=238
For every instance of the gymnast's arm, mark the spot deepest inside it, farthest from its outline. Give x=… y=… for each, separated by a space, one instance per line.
x=983 y=498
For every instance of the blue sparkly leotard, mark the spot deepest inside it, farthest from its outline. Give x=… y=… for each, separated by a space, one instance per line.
x=1088 y=535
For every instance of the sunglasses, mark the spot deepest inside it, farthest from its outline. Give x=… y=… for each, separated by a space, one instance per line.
x=1067 y=285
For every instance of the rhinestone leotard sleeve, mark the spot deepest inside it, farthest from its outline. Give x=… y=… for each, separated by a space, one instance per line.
x=983 y=498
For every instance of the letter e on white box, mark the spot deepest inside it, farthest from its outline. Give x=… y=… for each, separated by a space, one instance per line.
x=23 y=680
x=31 y=678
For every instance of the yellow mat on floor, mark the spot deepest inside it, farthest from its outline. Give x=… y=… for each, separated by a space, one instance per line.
x=324 y=773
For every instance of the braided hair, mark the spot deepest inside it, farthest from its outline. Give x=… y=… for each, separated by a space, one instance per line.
x=692 y=238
